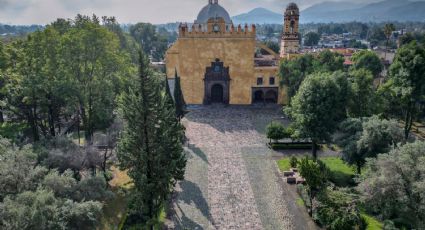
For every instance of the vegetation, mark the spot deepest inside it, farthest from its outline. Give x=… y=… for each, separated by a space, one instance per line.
x=406 y=81
x=150 y=147
x=311 y=39
x=392 y=188
x=368 y=60
x=367 y=137
x=319 y=94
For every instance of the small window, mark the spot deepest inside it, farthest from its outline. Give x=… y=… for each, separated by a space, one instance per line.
x=271 y=81
x=260 y=81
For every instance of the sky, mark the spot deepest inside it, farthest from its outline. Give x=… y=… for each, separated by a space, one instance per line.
x=130 y=11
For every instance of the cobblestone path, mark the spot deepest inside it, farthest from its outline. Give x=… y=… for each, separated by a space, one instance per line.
x=231 y=179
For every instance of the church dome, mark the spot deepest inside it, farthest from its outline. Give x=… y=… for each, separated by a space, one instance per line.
x=213 y=10
x=292 y=6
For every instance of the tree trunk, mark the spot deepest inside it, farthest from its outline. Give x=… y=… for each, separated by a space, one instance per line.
x=359 y=168
x=1 y=116
x=314 y=149
x=51 y=121
x=408 y=121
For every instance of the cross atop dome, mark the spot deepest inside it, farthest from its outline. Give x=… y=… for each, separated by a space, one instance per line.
x=212 y=1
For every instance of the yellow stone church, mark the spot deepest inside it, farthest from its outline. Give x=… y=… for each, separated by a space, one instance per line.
x=219 y=62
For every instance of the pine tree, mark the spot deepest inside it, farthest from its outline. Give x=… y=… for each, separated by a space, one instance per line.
x=179 y=98
x=175 y=134
x=140 y=151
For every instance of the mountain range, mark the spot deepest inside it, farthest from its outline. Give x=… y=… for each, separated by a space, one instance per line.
x=387 y=10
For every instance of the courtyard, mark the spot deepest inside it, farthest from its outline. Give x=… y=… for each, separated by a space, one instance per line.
x=232 y=180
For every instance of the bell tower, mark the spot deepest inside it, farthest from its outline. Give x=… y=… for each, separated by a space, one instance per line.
x=290 y=43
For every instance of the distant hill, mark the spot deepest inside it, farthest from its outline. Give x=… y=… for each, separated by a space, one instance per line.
x=258 y=16
x=386 y=10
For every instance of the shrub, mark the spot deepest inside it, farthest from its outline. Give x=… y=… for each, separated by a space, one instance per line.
x=275 y=131
x=293 y=162
x=337 y=210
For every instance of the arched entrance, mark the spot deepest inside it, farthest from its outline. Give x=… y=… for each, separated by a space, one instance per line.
x=217 y=93
x=271 y=96
x=258 y=96
x=217 y=83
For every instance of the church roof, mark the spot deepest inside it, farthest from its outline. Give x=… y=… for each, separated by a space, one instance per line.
x=213 y=10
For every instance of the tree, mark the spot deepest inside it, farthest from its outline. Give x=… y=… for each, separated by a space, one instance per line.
x=315 y=178
x=367 y=60
x=362 y=94
x=329 y=61
x=275 y=131
x=407 y=80
x=337 y=210
x=311 y=39
x=41 y=210
x=319 y=106
x=388 y=31
x=179 y=98
x=273 y=46
x=150 y=146
x=293 y=72
x=392 y=185
x=367 y=137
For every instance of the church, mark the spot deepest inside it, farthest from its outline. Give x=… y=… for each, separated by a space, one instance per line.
x=219 y=62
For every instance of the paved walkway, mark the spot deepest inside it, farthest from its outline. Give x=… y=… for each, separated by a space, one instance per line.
x=232 y=181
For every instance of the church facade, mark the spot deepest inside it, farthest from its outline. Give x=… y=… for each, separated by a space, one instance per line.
x=219 y=62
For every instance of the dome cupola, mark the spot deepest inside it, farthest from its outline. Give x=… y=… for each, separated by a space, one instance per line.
x=213 y=10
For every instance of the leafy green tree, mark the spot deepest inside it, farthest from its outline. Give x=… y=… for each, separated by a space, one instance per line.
x=314 y=176
x=367 y=60
x=362 y=97
x=151 y=42
x=329 y=61
x=392 y=185
x=311 y=39
x=293 y=72
x=366 y=138
x=181 y=109
x=407 y=81
x=319 y=106
x=150 y=147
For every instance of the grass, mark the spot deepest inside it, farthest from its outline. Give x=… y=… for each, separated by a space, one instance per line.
x=372 y=223
x=300 y=202
x=284 y=164
x=342 y=174
x=114 y=210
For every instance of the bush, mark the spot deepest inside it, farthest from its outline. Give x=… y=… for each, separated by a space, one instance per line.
x=275 y=131
x=283 y=146
x=337 y=210
x=293 y=162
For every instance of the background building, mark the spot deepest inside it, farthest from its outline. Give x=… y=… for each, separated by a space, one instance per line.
x=219 y=62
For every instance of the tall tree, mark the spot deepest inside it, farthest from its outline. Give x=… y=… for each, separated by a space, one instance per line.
x=150 y=146
x=362 y=94
x=181 y=110
x=388 y=31
x=293 y=72
x=407 y=80
x=319 y=106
